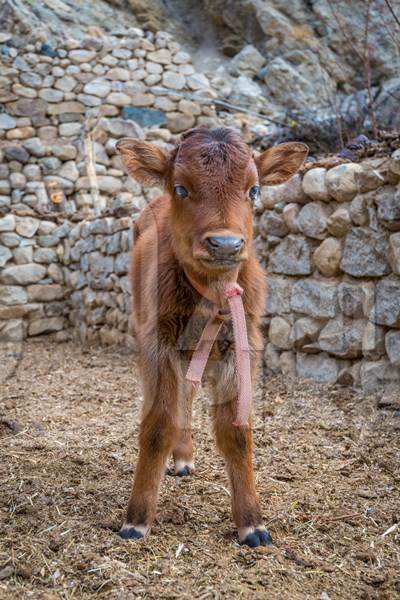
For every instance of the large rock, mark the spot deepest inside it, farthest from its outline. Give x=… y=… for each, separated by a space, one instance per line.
x=23 y=274
x=388 y=201
x=26 y=226
x=387 y=303
x=44 y=293
x=356 y=300
x=279 y=292
x=379 y=375
x=319 y=367
x=365 y=253
x=305 y=331
x=45 y=325
x=5 y=255
x=12 y=330
x=373 y=341
x=327 y=257
x=246 y=62
x=122 y=128
x=343 y=337
x=279 y=333
x=314 y=184
x=342 y=182
x=394 y=252
x=7 y=223
x=291 y=257
x=298 y=80
x=339 y=222
x=392 y=343
x=11 y=295
x=312 y=220
x=314 y=298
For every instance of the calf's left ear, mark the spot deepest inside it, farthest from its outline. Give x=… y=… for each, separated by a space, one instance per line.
x=279 y=163
x=145 y=162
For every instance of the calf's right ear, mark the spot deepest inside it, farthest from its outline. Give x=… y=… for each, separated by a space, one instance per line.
x=145 y=162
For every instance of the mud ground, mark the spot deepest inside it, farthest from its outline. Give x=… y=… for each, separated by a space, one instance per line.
x=327 y=469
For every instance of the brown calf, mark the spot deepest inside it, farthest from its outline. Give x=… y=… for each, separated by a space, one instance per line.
x=201 y=230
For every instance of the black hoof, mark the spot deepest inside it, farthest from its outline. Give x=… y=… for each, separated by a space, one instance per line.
x=181 y=473
x=259 y=537
x=130 y=533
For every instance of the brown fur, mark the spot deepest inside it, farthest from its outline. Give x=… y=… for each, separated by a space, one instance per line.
x=217 y=170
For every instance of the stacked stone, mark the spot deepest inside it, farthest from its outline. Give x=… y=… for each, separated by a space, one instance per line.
x=32 y=298
x=97 y=255
x=136 y=84
x=331 y=243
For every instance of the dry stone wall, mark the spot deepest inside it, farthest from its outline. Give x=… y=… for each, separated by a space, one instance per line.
x=329 y=238
x=62 y=109
x=330 y=241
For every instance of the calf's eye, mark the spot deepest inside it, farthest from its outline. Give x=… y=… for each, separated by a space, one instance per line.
x=254 y=192
x=180 y=191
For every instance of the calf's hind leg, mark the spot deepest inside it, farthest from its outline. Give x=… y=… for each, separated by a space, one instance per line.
x=183 y=450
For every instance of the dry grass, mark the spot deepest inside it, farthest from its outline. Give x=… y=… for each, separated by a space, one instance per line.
x=327 y=465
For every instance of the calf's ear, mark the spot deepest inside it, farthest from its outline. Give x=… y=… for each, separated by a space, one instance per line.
x=279 y=163
x=145 y=162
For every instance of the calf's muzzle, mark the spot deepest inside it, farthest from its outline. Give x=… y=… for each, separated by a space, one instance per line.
x=224 y=247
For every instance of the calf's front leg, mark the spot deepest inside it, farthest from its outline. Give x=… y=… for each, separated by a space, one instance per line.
x=235 y=444
x=158 y=435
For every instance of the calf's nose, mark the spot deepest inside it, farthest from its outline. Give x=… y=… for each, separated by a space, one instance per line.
x=224 y=246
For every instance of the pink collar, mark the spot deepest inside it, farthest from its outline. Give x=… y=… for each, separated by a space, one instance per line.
x=232 y=293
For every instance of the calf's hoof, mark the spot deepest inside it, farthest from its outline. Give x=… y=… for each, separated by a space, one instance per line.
x=184 y=472
x=130 y=533
x=257 y=537
x=180 y=470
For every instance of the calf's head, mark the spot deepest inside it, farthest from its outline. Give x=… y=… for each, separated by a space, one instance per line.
x=213 y=181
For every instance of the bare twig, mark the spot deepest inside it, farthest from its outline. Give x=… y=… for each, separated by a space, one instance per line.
x=367 y=70
x=395 y=17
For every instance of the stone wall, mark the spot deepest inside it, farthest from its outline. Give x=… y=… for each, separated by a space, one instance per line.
x=62 y=109
x=32 y=291
x=330 y=241
x=97 y=256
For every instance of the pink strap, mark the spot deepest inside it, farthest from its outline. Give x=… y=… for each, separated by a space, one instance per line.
x=233 y=294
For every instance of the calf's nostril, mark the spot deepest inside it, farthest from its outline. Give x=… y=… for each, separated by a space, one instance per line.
x=224 y=246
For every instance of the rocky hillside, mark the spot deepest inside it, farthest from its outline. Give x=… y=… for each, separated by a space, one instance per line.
x=322 y=70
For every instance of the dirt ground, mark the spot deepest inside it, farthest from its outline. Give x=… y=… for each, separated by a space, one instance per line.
x=327 y=468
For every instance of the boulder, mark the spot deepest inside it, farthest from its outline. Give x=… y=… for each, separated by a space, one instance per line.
x=388 y=201
x=12 y=330
x=5 y=255
x=342 y=182
x=379 y=375
x=11 y=295
x=387 y=303
x=339 y=222
x=45 y=325
x=327 y=257
x=343 y=337
x=305 y=331
x=246 y=62
x=26 y=226
x=291 y=257
x=392 y=344
x=319 y=367
x=373 y=341
x=7 y=223
x=356 y=300
x=314 y=184
x=394 y=252
x=314 y=298
x=279 y=292
x=279 y=333
x=312 y=220
x=23 y=274
x=365 y=253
